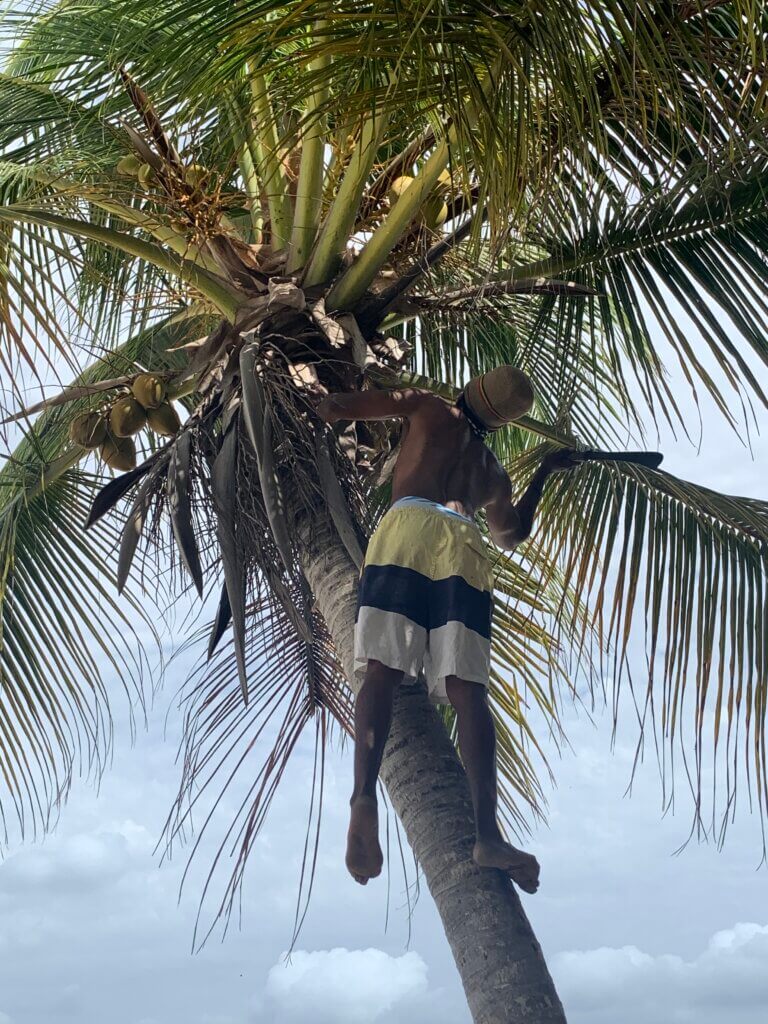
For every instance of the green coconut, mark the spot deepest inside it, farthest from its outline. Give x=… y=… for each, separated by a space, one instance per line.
x=128 y=166
x=196 y=176
x=434 y=212
x=164 y=419
x=148 y=390
x=88 y=429
x=126 y=417
x=119 y=452
x=146 y=175
x=396 y=189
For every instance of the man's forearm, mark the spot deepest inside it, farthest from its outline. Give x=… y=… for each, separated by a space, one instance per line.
x=529 y=502
x=367 y=405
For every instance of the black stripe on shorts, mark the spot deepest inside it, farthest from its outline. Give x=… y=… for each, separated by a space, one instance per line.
x=428 y=603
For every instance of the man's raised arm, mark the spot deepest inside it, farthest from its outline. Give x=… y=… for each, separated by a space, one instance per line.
x=510 y=523
x=369 y=405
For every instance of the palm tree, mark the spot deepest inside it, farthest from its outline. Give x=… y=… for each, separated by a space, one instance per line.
x=233 y=206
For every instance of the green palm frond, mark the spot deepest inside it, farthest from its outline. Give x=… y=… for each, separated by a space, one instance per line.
x=60 y=624
x=699 y=248
x=646 y=551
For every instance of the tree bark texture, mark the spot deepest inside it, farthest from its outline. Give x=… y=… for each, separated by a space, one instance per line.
x=500 y=962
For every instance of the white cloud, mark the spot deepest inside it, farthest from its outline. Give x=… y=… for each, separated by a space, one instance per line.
x=341 y=986
x=727 y=981
x=82 y=859
x=4 y=1018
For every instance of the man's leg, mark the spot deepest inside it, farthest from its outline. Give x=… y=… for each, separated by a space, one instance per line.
x=373 y=716
x=477 y=743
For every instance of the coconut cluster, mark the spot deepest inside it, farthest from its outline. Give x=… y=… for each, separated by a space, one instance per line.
x=131 y=166
x=111 y=428
x=434 y=210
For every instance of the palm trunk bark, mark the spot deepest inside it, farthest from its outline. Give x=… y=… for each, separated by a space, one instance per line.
x=501 y=964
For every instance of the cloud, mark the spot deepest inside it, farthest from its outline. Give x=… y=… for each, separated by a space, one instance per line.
x=80 y=860
x=727 y=981
x=341 y=986
x=4 y=1018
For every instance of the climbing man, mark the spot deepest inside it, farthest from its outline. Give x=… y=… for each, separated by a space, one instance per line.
x=425 y=590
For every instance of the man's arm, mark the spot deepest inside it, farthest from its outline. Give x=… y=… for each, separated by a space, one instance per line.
x=370 y=405
x=511 y=523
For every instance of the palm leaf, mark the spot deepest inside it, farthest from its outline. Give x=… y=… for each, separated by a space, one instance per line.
x=59 y=623
x=646 y=551
x=292 y=683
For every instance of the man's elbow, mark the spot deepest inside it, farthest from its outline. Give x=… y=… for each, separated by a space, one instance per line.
x=509 y=538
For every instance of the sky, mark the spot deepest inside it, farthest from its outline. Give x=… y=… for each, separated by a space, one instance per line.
x=92 y=925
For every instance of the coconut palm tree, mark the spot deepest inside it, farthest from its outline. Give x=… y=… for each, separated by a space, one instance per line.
x=227 y=208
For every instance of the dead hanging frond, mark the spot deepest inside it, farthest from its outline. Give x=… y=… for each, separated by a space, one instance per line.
x=231 y=749
x=257 y=418
x=224 y=495
x=180 y=507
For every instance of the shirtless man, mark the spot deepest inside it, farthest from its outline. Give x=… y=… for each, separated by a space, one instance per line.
x=425 y=591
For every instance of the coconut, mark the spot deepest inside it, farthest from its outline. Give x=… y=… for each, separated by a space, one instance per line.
x=148 y=390
x=164 y=419
x=88 y=429
x=146 y=175
x=126 y=417
x=396 y=189
x=128 y=166
x=444 y=180
x=119 y=452
x=196 y=176
x=434 y=212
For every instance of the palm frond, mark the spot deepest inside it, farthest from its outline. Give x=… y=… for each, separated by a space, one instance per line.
x=698 y=248
x=644 y=550
x=292 y=685
x=60 y=624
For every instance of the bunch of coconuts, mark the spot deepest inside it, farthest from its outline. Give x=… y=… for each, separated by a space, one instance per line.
x=111 y=428
x=130 y=166
x=434 y=209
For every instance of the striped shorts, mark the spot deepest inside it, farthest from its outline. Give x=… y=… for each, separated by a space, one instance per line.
x=425 y=597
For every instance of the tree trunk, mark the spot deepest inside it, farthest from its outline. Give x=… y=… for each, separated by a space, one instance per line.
x=502 y=968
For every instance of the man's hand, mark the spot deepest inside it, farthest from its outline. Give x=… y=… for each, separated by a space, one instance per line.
x=560 y=460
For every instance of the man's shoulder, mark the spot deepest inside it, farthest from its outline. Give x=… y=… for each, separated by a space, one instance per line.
x=428 y=403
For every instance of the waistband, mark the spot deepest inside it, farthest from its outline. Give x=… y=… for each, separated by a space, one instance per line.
x=435 y=506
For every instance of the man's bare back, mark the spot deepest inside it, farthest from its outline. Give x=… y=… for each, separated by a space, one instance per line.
x=442 y=459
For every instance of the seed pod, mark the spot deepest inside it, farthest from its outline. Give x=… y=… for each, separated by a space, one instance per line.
x=164 y=419
x=88 y=430
x=128 y=166
x=119 y=453
x=148 y=390
x=126 y=417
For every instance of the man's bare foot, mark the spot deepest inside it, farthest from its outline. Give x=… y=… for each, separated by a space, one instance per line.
x=364 y=857
x=522 y=867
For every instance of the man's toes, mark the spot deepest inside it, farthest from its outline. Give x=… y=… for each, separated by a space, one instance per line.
x=528 y=883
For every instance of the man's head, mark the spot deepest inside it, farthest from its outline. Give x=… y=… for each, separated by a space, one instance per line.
x=499 y=396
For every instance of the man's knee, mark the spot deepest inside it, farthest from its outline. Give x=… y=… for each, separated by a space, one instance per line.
x=465 y=694
x=382 y=675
